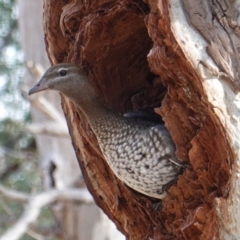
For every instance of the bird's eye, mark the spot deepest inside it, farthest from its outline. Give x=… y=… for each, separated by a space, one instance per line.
x=62 y=72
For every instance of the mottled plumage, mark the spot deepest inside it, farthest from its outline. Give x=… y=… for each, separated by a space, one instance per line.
x=139 y=152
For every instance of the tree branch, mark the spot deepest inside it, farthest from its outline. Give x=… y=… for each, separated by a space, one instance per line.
x=36 y=70
x=57 y=127
x=50 y=128
x=14 y=195
x=46 y=107
x=17 y=154
x=36 y=202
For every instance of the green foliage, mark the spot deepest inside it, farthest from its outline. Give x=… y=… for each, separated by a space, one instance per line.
x=18 y=169
x=11 y=62
x=8 y=21
x=14 y=110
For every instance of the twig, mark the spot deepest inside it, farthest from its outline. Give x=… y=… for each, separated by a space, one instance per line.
x=49 y=128
x=36 y=70
x=14 y=195
x=35 y=203
x=34 y=235
x=43 y=105
x=57 y=127
x=16 y=154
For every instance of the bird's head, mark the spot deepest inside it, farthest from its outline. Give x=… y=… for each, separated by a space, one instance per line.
x=66 y=78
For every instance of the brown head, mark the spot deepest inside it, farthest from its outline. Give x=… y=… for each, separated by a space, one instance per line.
x=68 y=79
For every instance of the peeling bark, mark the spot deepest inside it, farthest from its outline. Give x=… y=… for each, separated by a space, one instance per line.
x=193 y=48
x=217 y=22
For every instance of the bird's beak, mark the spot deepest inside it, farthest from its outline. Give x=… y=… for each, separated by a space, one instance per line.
x=40 y=86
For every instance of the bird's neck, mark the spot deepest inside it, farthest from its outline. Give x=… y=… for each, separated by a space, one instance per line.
x=99 y=117
x=95 y=111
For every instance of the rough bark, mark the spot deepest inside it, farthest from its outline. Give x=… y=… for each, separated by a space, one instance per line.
x=193 y=49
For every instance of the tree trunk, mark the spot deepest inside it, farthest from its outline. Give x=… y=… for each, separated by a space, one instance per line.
x=59 y=166
x=133 y=52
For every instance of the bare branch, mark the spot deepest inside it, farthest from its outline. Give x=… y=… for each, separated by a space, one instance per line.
x=34 y=235
x=17 y=154
x=14 y=195
x=35 y=203
x=44 y=106
x=56 y=128
x=50 y=128
x=6 y=208
x=36 y=70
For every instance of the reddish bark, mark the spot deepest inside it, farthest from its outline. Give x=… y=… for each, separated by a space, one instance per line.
x=110 y=39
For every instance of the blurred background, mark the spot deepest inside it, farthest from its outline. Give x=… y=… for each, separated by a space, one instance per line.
x=42 y=192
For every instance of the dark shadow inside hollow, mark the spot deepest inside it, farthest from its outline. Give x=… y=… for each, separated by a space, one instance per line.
x=116 y=45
